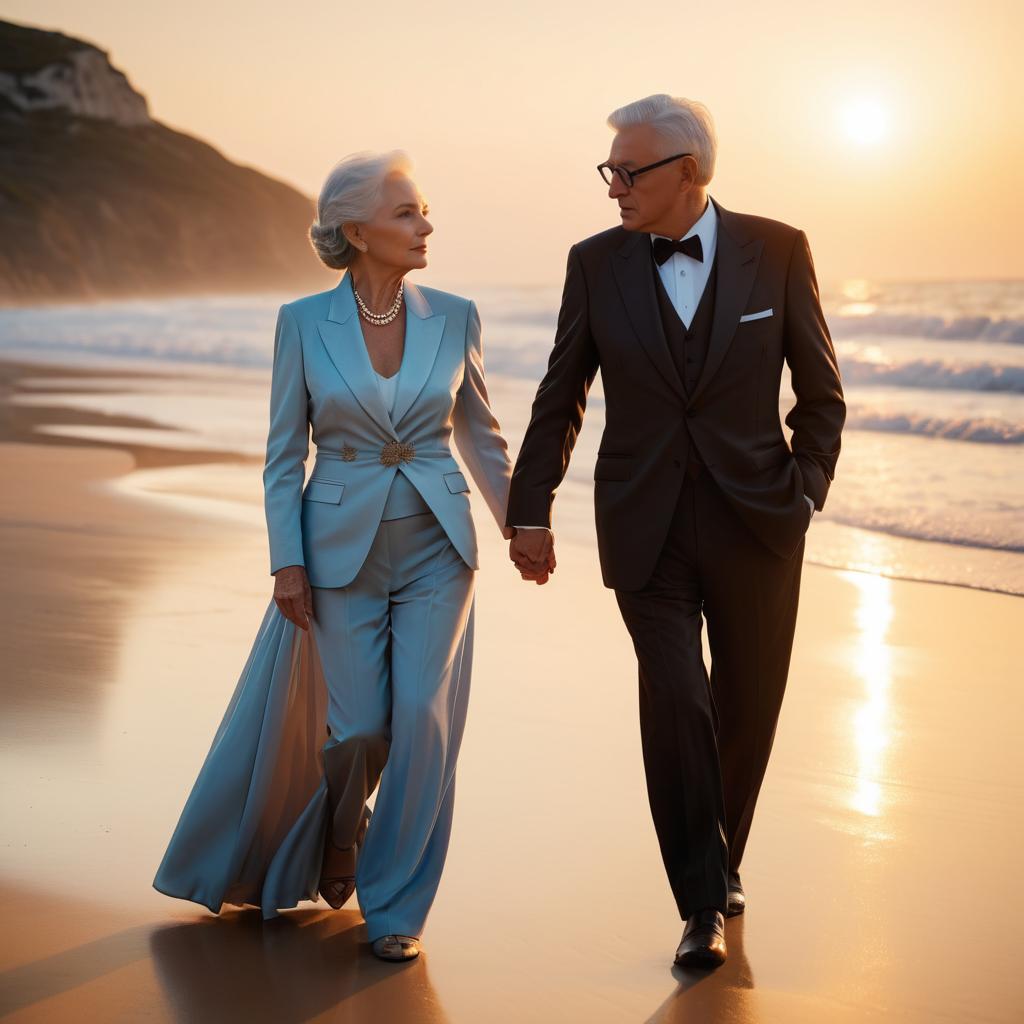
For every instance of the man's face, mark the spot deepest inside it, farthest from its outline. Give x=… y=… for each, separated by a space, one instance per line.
x=653 y=194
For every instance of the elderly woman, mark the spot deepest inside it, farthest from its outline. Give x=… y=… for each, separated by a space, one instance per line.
x=360 y=672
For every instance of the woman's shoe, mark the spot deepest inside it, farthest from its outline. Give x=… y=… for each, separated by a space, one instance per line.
x=337 y=889
x=396 y=947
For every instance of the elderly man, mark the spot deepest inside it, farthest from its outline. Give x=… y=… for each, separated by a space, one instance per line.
x=690 y=310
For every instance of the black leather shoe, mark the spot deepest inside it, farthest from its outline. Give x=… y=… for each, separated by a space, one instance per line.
x=703 y=941
x=737 y=897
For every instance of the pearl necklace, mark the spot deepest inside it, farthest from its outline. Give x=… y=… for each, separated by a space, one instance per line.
x=380 y=319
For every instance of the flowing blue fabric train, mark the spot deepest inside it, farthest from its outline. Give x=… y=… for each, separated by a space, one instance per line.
x=253 y=828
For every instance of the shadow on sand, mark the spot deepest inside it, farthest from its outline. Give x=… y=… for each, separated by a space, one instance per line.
x=232 y=967
x=713 y=997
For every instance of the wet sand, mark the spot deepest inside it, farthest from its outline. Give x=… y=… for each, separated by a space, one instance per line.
x=880 y=871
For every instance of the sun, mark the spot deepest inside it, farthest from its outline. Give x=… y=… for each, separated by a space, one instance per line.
x=865 y=120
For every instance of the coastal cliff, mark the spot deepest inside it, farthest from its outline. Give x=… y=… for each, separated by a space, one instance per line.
x=99 y=200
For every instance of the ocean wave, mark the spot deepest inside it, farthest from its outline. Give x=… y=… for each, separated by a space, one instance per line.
x=934 y=374
x=928 y=532
x=1008 y=330
x=982 y=430
x=170 y=350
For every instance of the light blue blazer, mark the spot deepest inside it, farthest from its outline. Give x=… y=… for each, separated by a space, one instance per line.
x=323 y=378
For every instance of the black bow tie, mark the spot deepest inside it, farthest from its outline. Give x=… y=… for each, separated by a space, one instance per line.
x=664 y=247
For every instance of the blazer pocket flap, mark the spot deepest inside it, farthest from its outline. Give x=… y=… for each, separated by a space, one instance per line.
x=323 y=490
x=456 y=482
x=762 y=315
x=613 y=467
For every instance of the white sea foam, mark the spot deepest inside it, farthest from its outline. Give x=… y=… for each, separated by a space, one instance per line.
x=985 y=430
x=936 y=374
x=1006 y=330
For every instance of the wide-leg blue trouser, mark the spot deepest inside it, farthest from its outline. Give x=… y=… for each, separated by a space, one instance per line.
x=396 y=647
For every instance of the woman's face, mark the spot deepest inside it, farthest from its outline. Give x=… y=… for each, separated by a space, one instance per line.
x=396 y=236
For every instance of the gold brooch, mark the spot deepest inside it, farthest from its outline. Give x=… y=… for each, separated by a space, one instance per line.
x=395 y=452
x=349 y=454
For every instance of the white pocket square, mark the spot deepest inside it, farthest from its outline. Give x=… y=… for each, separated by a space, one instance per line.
x=756 y=316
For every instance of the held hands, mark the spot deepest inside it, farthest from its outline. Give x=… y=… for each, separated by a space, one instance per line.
x=533 y=552
x=293 y=595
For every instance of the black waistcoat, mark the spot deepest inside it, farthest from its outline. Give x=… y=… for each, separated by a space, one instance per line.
x=689 y=347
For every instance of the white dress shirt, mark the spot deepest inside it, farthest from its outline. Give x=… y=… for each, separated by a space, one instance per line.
x=685 y=278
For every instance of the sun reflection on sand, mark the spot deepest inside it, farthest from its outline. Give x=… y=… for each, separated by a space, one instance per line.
x=872 y=720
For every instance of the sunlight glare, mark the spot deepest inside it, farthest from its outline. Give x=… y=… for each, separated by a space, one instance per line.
x=865 y=120
x=872 y=726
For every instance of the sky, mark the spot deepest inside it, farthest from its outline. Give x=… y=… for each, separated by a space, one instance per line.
x=892 y=133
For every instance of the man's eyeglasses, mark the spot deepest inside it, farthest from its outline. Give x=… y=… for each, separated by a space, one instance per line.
x=627 y=177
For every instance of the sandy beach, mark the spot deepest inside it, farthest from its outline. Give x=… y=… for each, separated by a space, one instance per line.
x=881 y=868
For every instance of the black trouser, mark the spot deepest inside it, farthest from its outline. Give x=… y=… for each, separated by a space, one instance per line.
x=706 y=740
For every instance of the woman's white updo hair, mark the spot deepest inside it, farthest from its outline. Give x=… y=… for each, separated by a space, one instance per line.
x=350 y=193
x=685 y=125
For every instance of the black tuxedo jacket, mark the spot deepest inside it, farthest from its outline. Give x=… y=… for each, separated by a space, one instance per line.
x=609 y=318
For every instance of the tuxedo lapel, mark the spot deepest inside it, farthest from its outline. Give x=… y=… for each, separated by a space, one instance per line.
x=343 y=339
x=423 y=332
x=635 y=279
x=738 y=259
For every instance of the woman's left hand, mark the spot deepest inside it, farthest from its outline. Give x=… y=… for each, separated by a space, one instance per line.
x=293 y=595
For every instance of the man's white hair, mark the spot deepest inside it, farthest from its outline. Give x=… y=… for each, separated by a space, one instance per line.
x=350 y=194
x=685 y=125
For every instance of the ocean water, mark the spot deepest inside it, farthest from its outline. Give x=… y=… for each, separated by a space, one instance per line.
x=929 y=485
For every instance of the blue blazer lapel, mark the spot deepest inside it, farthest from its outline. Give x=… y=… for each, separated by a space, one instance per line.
x=423 y=331
x=343 y=339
